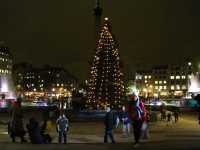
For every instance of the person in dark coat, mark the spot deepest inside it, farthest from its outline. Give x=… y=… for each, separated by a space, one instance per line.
x=126 y=122
x=62 y=127
x=136 y=113
x=44 y=132
x=109 y=122
x=34 y=132
x=15 y=126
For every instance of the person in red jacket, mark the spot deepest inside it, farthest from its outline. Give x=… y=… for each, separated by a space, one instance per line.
x=136 y=113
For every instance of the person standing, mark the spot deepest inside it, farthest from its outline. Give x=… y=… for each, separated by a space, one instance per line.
x=16 y=126
x=136 y=112
x=145 y=125
x=62 y=128
x=169 y=118
x=126 y=122
x=110 y=123
x=176 y=116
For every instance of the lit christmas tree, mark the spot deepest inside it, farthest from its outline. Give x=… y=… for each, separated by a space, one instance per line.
x=106 y=85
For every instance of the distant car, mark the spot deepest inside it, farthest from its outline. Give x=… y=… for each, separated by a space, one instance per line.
x=40 y=103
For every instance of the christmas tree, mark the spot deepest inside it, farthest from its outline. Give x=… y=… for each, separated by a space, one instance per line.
x=106 y=85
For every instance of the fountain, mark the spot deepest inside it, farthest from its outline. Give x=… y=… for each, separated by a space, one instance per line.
x=194 y=84
x=7 y=87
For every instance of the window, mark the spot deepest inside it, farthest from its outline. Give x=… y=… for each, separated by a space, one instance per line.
x=145 y=77
x=172 y=77
x=156 y=87
x=165 y=87
x=160 y=82
x=156 y=82
x=183 y=87
x=172 y=87
x=183 y=77
x=164 y=82
x=177 y=77
x=178 y=87
x=149 y=77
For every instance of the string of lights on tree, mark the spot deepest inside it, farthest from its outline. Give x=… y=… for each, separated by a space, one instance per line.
x=106 y=85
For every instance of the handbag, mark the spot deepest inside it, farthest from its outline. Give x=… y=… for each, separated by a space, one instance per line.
x=144 y=126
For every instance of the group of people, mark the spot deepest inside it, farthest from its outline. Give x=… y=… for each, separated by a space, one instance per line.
x=135 y=113
x=168 y=116
x=38 y=134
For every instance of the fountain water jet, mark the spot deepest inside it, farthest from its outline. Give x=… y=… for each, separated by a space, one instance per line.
x=194 y=84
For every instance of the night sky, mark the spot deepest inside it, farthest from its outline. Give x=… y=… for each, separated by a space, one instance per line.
x=61 y=32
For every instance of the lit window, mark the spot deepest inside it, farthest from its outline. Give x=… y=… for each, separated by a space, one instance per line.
x=145 y=81
x=156 y=82
x=58 y=84
x=183 y=87
x=164 y=82
x=183 y=77
x=171 y=77
x=177 y=77
x=178 y=87
x=160 y=82
x=149 y=77
x=172 y=87
x=160 y=87
x=145 y=77
x=165 y=87
x=156 y=87
x=189 y=76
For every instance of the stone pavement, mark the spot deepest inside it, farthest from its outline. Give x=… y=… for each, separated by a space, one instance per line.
x=184 y=135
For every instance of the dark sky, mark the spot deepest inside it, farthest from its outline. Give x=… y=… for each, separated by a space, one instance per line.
x=61 y=32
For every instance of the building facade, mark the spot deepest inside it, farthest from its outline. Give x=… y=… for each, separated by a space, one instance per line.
x=48 y=81
x=6 y=83
x=164 y=80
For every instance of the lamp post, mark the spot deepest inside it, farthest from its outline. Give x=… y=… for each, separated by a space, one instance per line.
x=159 y=93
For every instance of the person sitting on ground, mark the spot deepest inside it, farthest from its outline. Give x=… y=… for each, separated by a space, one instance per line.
x=45 y=129
x=34 y=132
